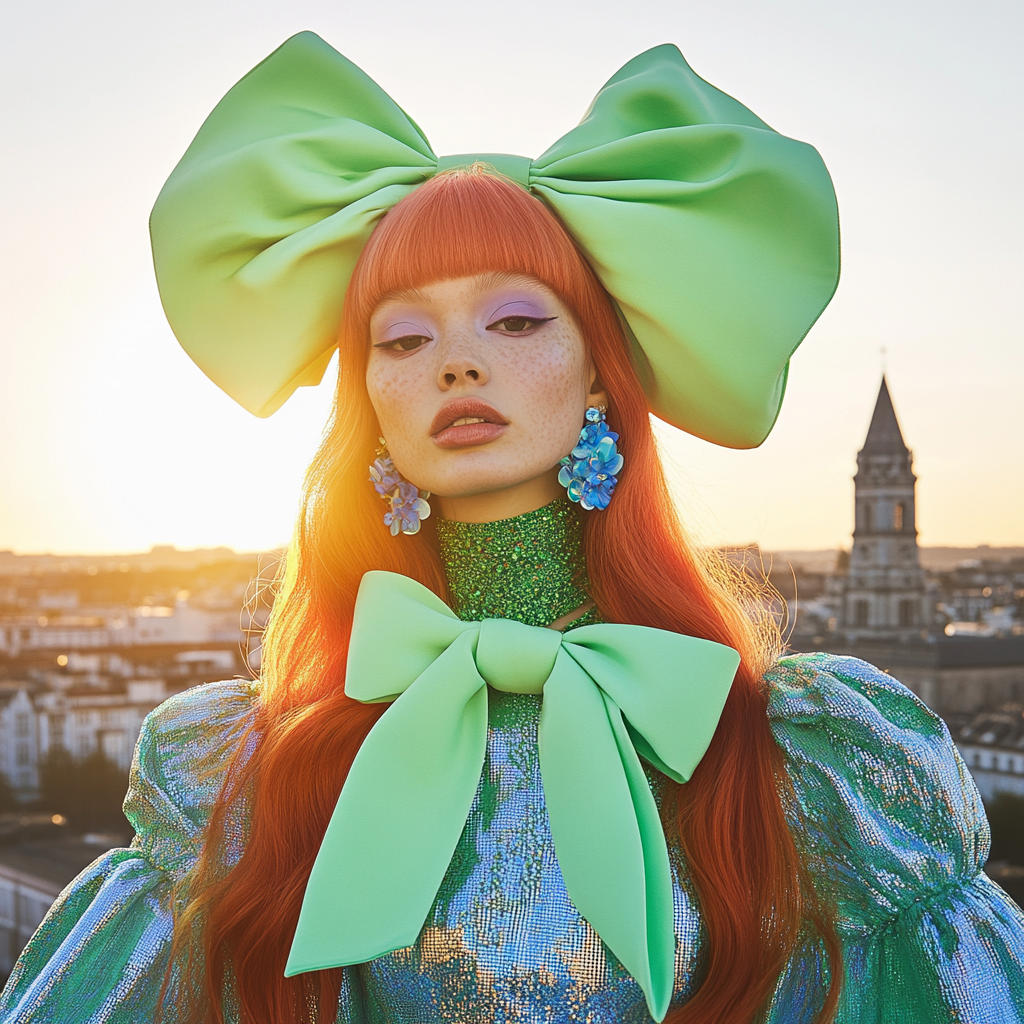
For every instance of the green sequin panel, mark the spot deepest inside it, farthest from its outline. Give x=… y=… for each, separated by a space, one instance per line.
x=529 y=568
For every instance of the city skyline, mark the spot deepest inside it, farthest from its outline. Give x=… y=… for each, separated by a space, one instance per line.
x=111 y=440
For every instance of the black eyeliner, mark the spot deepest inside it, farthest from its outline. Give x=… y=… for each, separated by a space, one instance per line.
x=395 y=341
x=531 y=319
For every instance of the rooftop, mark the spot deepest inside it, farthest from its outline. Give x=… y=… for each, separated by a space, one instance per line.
x=939 y=652
x=1001 y=728
x=55 y=862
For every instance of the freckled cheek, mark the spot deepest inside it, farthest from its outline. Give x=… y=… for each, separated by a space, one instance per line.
x=395 y=398
x=551 y=385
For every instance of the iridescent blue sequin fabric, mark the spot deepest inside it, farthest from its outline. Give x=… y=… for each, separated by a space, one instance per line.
x=887 y=816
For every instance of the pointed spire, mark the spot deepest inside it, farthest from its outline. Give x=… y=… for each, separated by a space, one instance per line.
x=884 y=434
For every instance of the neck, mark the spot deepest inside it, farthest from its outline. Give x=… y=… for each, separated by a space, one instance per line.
x=507 y=503
x=528 y=567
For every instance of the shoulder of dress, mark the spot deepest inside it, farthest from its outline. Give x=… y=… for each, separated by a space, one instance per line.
x=803 y=688
x=841 y=714
x=216 y=706
x=184 y=750
x=884 y=803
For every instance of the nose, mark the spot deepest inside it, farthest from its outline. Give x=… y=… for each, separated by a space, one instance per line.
x=461 y=363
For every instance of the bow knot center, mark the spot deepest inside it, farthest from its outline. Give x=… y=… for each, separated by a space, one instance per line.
x=514 y=657
x=516 y=168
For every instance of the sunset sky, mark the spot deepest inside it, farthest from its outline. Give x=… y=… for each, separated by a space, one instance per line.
x=111 y=440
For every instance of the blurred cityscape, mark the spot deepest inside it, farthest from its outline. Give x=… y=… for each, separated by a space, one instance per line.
x=90 y=645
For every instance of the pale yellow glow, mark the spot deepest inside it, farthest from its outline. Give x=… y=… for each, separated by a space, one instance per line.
x=112 y=441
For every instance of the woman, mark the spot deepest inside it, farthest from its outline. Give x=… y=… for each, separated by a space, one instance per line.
x=517 y=752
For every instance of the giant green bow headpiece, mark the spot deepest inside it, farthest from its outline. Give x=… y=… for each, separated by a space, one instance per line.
x=610 y=692
x=717 y=236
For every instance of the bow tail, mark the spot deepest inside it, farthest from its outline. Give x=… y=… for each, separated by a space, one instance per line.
x=606 y=830
x=661 y=941
x=398 y=819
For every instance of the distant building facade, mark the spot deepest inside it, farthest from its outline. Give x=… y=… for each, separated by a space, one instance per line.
x=86 y=720
x=98 y=704
x=19 y=738
x=115 y=628
x=884 y=596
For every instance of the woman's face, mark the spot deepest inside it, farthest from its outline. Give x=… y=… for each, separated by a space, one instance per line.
x=480 y=385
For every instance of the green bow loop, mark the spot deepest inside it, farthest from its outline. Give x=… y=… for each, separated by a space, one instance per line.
x=258 y=229
x=609 y=690
x=717 y=237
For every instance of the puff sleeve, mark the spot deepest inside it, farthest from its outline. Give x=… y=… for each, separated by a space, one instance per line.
x=101 y=953
x=896 y=838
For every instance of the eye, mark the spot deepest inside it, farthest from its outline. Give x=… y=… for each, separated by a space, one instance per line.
x=407 y=343
x=519 y=324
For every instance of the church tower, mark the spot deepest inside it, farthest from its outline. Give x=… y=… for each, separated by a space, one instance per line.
x=884 y=595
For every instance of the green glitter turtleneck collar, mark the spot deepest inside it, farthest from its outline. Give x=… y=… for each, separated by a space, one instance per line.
x=529 y=568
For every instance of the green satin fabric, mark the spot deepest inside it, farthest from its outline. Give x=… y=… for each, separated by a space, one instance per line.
x=606 y=698
x=717 y=236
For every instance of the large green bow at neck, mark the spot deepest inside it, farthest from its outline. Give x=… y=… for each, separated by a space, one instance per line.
x=611 y=692
x=717 y=236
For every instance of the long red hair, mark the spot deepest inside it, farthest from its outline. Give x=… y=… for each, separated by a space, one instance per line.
x=755 y=898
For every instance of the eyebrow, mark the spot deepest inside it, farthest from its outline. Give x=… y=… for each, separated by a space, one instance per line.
x=402 y=295
x=492 y=279
x=503 y=277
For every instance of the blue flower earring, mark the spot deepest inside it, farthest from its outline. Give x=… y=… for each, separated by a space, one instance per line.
x=407 y=507
x=589 y=471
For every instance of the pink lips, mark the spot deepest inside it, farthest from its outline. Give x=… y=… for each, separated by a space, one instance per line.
x=447 y=435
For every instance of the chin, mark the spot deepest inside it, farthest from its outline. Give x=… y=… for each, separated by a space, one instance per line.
x=470 y=481
x=478 y=486
x=465 y=473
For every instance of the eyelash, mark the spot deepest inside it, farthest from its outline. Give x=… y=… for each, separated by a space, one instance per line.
x=531 y=321
x=391 y=346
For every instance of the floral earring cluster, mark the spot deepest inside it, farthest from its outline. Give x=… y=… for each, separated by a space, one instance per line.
x=407 y=508
x=589 y=471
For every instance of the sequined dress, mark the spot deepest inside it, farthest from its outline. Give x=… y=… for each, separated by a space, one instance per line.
x=889 y=819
